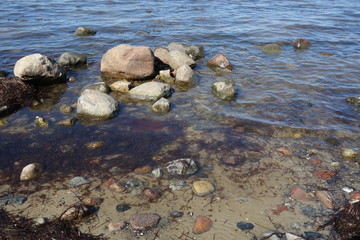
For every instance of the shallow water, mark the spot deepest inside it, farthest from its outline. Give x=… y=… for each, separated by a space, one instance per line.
x=278 y=94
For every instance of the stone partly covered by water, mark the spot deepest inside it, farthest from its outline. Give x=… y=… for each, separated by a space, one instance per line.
x=182 y=167
x=353 y=101
x=99 y=86
x=194 y=51
x=78 y=181
x=70 y=59
x=224 y=90
x=220 y=61
x=150 y=91
x=161 y=106
x=84 y=31
x=143 y=222
x=39 y=67
x=301 y=44
x=122 y=86
x=12 y=199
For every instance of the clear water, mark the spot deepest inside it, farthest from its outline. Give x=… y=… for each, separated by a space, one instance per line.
x=293 y=89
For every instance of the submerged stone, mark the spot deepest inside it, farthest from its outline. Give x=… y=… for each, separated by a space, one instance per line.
x=243 y=226
x=202 y=224
x=78 y=181
x=271 y=48
x=182 y=167
x=122 y=207
x=12 y=199
x=144 y=222
x=203 y=188
x=84 y=31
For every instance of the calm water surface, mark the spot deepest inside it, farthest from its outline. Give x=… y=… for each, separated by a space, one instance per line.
x=293 y=89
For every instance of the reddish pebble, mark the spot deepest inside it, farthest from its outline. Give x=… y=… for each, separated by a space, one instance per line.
x=230 y=160
x=202 y=224
x=284 y=151
x=220 y=61
x=299 y=194
x=355 y=195
x=280 y=208
x=153 y=193
x=314 y=161
x=92 y=201
x=116 y=187
x=143 y=170
x=325 y=198
x=324 y=174
x=116 y=226
x=108 y=182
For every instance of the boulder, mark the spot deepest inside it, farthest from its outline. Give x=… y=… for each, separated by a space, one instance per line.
x=220 y=61
x=182 y=167
x=39 y=67
x=83 y=31
x=97 y=104
x=121 y=86
x=161 y=106
x=30 y=172
x=162 y=54
x=72 y=59
x=150 y=91
x=185 y=74
x=301 y=44
x=178 y=58
x=99 y=86
x=271 y=48
x=128 y=62
x=224 y=90
x=193 y=51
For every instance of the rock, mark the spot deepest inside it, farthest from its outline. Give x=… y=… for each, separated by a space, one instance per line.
x=116 y=226
x=83 y=31
x=41 y=122
x=70 y=59
x=243 y=226
x=153 y=193
x=175 y=186
x=92 y=201
x=66 y=109
x=150 y=91
x=348 y=153
x=324 y=174
x=290 y=236
x=325 y=198
x=41 y=220
x=72 y=79
x=99 y=86
x=94 y=144
x=121 y=86
x=144 y=222
x=161 y=106
x=353 y=101
x=202 y=224
x=97 y=105
x=301 y=44
x=30 y=172
x=184 y=74
x=68 y=122
x=182 y=167
x=40 y=68
x=355 y=195
x=116 y=187
x=78 y=181
x=162 y=54
x=165 y=75
x=271 y=48
x=203 y=188
x=128 y=62
x=12 y=199
x=109 y=181
x=224 y=90
x=313 y=235
x=142 y=170
x=157 y=173
x=177 y=59
x=299 y=194
x=221 y=62
x=75 y=212
x=176 y=214
x=122 y=207
x=273 y=236
x=193 y=51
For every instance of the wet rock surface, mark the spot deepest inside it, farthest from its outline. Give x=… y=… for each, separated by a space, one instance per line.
x=182 y=167
x=150 y=91
x=72 y=59
x=143 y=222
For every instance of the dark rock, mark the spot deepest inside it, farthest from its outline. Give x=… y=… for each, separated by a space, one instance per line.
x=313 y=235
x=353 y=101
x=3 y=74
x=12 y=199
x=176 y=214
x=83 y=31
x=333 y=141
x=245 y=226
x=72 y=59
x=122 y=207
x=144 y=222
x=301 y=44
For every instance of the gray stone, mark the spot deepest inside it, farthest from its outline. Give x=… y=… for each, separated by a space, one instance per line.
x=84 y=31
x=150 y=91
x=178 y=185
x=97 y=105
x=39 y=67
x=224 y=90
x=177 y=59
x=12 y=199
x=162 y=54
x=271 y=48
x=185 y=74
x=121 y=86
x=144 y=222
x=161 y=106
x=157 y=172
x=99 y=86
x=72 y=59
x=182 y=167
x=193 y=51
x=68 y=122
x=78 y=181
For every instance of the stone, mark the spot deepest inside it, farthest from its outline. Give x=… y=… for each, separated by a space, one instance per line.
x=203 y=188
x=193 y=51
x=184 y=74
x=224 y=90
x=301 y=44
x=99 y=86
x=128 y=62
x=324 y=174
x=355 y=195
x=177 y=59
x=153 y=193
x=109 y=181
x=271 y=48
x=94 y=144
x=299 y=194
x=175 y=186
x=150 y=91
x=325 y=198
x=92 y=201
x=161 y=106
x=313 y=235
x=353 y=101
x=113 y=227
x=30 y=172
x=144 y=222
x=348 y=153
x=182 y=167
x=41 y=220
x=243 y=226
x=75 y=212
x=290 y=236
x=84 y=31
x=41 y=122
x=202 y=224
x=122 y=207
x=220 y=61
x=176 y=214
x=142 y=170
x=157 y=172
x=270 y=236
x=12 y=199
x=66 y=109
x=72 y=79
x=116 y=187
x=71 y=59
x=165 y=75
x=97 y=105
x=68 y=122
x=162 y=54
x=39 y=68
x=78 y=181
x=121 y=86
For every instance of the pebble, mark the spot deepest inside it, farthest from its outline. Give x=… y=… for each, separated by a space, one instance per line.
x=299 y=194
x=68 y=122
x=176 y=214
x=290 y=236
x=75 y=212
x=182 y=167
x=243 y=226
x=30 y=172
x=153 y=193
x=324 y=174
x=116 y=226
x=355 y=195
x=12 y=199
x=41 y=122
x=203 y=188
x=273 y=236
x=296 y=225
x=143 y=222
x=313 y=235
x=72 y=79
x=108 y=182
x=116 y=187
x=325 y=198
x=92 y=201
x=157 y=173
x=41 y=220
x=143 y=170
x=202 y=224
x=348 y=153
x=78 y=181
x=348 y=189
x=94 y=144
x=175 y=186
x=122 y=207
x=66 y=109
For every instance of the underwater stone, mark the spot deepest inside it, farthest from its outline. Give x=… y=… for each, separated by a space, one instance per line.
x=12 y=199
x=83 y=31
x=143 y=222
x=182 y=167
x=244 y=226
x=78 y=181
x=203 y=188
x=122 y=207
x=271 y=48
